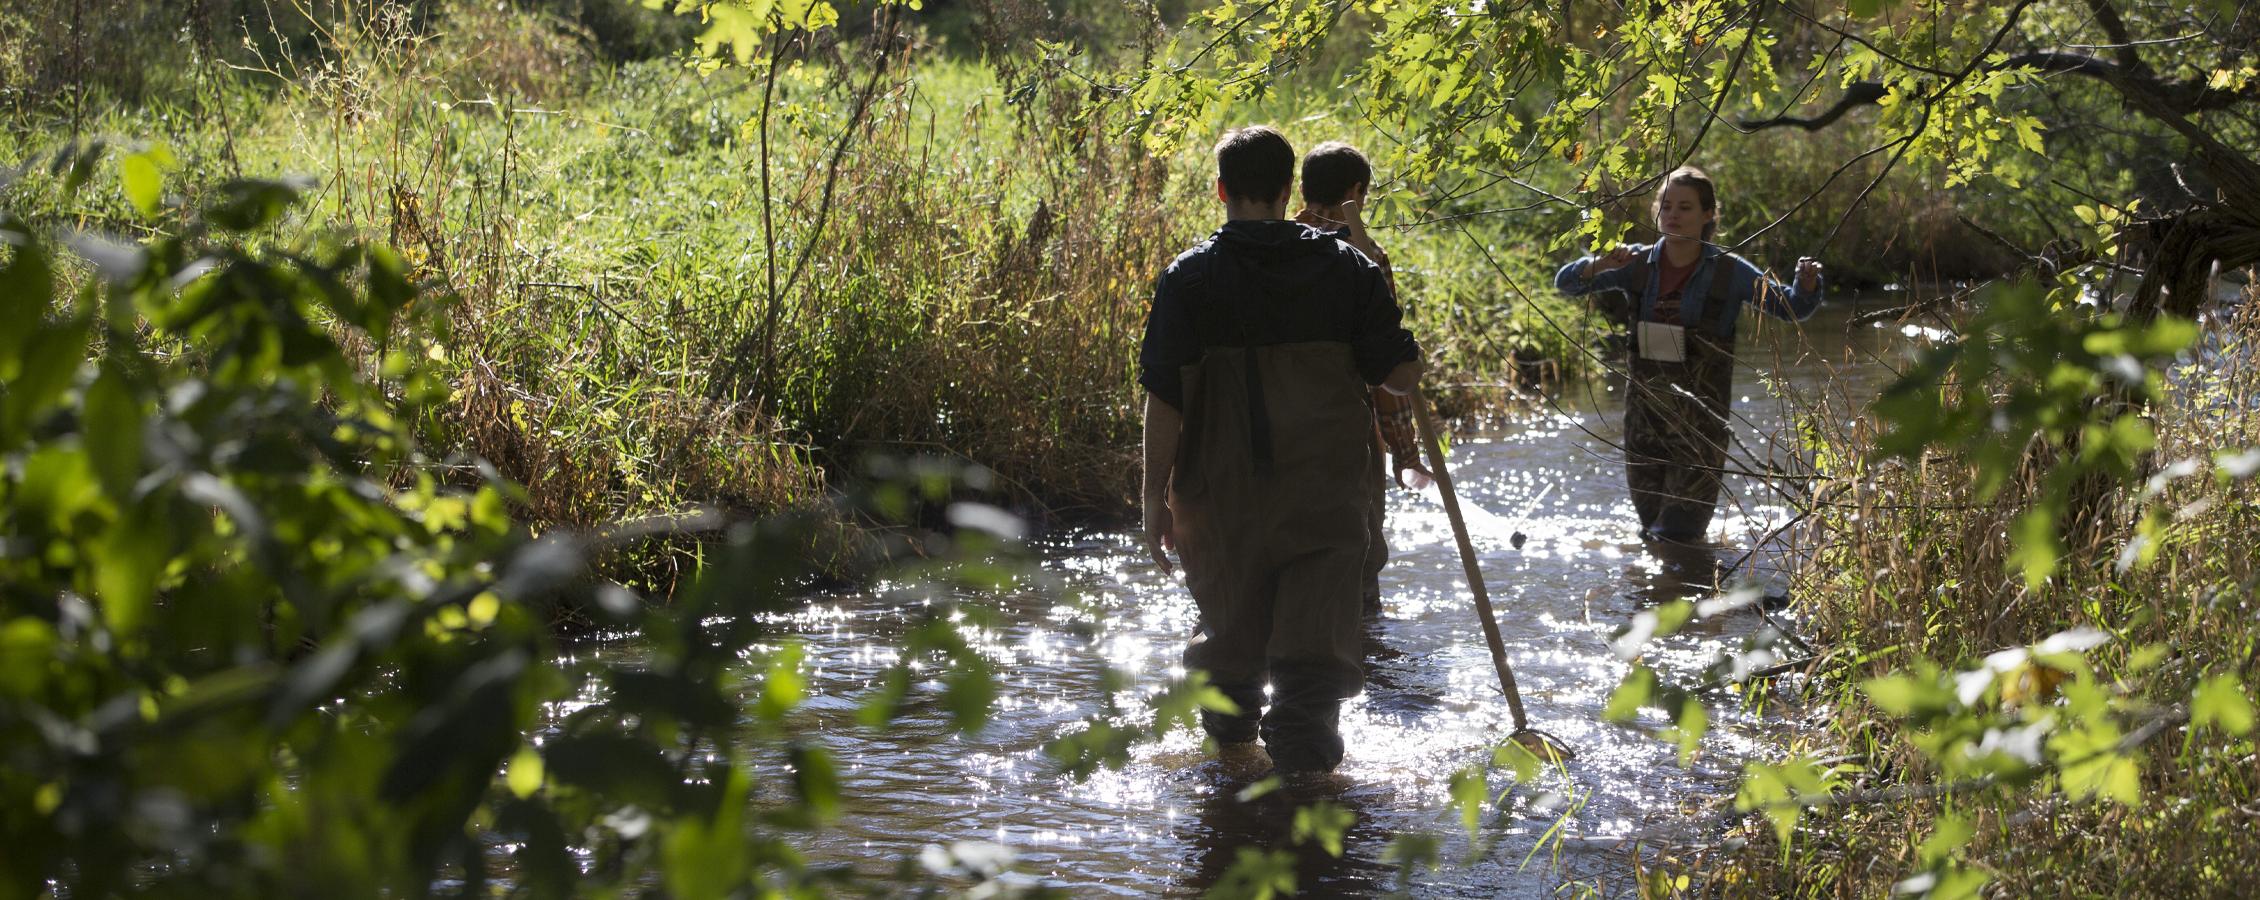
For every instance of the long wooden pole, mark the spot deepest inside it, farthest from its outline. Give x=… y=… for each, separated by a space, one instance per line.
x=1435 y=447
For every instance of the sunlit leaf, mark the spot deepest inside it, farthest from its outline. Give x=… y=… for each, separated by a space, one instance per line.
x=2221 y=702
x=524 y=774
x=1325 y=823
x=1636 y=691
x=707 y=857
x=142 y=181
x=782 y=687
x=1470 y=792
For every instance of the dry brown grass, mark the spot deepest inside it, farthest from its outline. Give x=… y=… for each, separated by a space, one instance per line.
x=1915 y=565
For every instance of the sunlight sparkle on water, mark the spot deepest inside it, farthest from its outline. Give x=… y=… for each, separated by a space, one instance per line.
x=1431 y=708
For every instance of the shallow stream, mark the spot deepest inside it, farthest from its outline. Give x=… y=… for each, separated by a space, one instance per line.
x=1171 y=822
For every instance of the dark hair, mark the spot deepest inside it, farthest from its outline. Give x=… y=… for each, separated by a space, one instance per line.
x=1255 y=163
x=1705 y=191
x=1331 y=171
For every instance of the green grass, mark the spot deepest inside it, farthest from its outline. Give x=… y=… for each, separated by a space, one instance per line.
x=977 y=290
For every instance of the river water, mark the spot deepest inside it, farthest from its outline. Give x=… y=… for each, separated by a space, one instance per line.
x=1171 y=822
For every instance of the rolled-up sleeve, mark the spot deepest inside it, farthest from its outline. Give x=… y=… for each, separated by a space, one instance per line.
x=1169 y=345
x=1381 y=341
x=1571 y=280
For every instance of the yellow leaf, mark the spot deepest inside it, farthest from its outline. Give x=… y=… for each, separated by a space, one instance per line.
x=524 y=774
x=2028 y=134
x=484 y=608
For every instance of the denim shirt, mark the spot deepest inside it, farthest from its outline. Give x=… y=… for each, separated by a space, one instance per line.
x=1719 y=277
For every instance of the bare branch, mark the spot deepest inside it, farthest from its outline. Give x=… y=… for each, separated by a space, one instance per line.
x=1858 y=94
x=2011 y=246
x=2190 y=95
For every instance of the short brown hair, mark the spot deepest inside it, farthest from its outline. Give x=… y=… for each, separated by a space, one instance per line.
x=1255 y=163
x=1331 y=171
x=1705 y=192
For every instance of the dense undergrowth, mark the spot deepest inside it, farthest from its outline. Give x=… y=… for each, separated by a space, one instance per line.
x=670 y=288
x=648 y=322
x=249 y=647
x=2029 y=628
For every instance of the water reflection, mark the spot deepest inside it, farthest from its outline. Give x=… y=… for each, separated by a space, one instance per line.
x=1173 y=821
x=1675 y=570
x=1228 y=826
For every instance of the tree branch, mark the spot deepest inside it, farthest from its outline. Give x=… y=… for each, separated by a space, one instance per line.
x=2116 y=29
x=2183 y=97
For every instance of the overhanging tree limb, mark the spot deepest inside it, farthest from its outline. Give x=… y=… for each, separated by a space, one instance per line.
x=2181 y=97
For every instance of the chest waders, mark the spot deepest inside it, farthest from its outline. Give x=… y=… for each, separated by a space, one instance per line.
x=1272 y=529
x=1675 y=420
x=1375 y=484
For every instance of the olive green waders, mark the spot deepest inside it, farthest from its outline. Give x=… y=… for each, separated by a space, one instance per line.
x=1272 y=525
x=1376 y=487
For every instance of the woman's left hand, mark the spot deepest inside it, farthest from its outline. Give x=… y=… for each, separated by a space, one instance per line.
x=1808 y=273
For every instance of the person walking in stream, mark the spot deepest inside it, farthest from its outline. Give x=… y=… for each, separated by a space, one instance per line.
x=1686 y=294
x=1336 y=179
x=1260 y=349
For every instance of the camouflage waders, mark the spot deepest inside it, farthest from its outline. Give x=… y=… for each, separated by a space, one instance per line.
x=1675 y=435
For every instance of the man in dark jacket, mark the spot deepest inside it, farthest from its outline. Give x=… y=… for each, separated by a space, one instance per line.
x=1259 y=350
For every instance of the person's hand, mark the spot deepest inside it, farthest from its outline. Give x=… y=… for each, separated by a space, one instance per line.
x=1160 y=533
x=1421 y=477
x=1352 y=214
x=1614 y=259
x=1808 y=273
x=1345 y=215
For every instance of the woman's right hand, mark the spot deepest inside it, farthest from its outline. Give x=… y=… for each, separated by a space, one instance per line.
x=1614 y=259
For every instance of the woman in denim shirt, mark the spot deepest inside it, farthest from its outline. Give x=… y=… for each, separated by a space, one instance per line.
x=1688 y=294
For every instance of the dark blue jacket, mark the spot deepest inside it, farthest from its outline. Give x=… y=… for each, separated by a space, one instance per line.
x=1260 y=283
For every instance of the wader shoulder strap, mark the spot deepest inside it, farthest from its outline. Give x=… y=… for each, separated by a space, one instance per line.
x=1259 y=417
x=1643 y=300
x=1718 y=310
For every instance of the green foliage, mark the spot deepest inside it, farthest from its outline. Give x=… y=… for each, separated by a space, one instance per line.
x=2222 y=702
x=1938 y=726
x=1470 y=793
x=1107 y=737
x=738 y=31
x=1994 y=728
x=1781 y=791
x=1642 y=687
x=2066 y=384
x=142 y=176
x=1260 y=872
x=1256 y=874
x=252 y=646
x=208 y=557
x=1324 y=823
x=921 y=324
